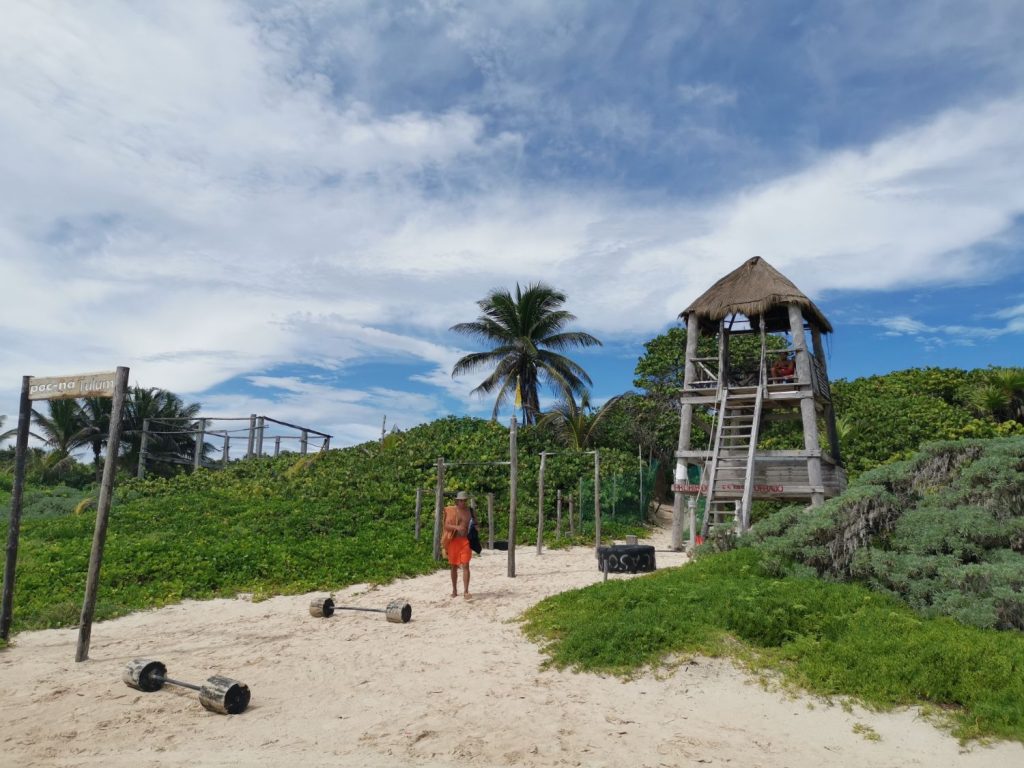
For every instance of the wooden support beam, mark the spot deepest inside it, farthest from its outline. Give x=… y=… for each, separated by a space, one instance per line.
x=99 y=538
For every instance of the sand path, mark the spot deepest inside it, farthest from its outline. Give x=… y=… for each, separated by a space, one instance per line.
x=459 y=685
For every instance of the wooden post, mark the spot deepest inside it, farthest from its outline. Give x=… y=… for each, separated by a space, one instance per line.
x=14 y=521
x=277 y=446
x=419 y=509
x=252 y=436
x=830 y=411
x=581 y=504
x=685 y=427
x=558 y=514
x=261 y=425
x=808 y=414
x=490 y=521
x=540 y=503
x=102 y=514
x=197 y=456
x=513 y=494
x=143 y=444
x=304 y=442
x=227 y=447
x=597 y=498
x=572 y=521
x=438 y=507
x=640 y=463
x=691 y=506
x=327 y=444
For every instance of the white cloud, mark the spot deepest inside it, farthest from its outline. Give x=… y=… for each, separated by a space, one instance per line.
x=706 y=94
x=945 y=335
x=900 y=325
x=191 y=197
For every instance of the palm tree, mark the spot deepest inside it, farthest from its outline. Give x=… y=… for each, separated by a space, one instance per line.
x=576 y=426
x=167 y=413
x=96 y=411
x=526 y=334
x=63 y=430
x=9 y=433
x=1002 y=395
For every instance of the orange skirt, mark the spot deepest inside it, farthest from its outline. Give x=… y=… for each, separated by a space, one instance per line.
x=458 y=552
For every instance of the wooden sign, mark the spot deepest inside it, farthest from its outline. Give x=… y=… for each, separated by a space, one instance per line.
x=77 y=385
x=694 y=488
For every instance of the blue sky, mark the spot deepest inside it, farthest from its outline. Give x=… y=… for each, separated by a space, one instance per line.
x=281 y=207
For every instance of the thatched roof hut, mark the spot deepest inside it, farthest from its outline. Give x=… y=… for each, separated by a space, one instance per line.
x=756 y=288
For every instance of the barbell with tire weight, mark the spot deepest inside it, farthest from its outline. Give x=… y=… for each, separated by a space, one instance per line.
x=218 y=694
x=397 y=612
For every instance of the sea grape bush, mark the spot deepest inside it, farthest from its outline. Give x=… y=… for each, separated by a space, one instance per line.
x=943 y=531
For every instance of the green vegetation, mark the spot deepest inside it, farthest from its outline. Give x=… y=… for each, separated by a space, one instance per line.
x=278 y=526
x=830 y=639
x=889 y=417
x=943 y=531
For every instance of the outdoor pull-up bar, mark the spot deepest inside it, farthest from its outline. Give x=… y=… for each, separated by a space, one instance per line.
x=540 y=501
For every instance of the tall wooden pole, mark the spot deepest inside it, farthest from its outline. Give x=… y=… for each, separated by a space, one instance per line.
x=277 y=446
x=249 y=453
x=102 y=514
x=490 y=521
x=227 y=447
x=597 y=498
x=691 y=508
x=540 y=503
x=830 y=411
x=581 y=504
x=143 y=445
x=197 y=457
x=685 y=427
x=304 y=442
x=808 y=414
x=513 y=493
x=14 y=521
x=640 y=464
x=419 y=509
x=438 y=507
x=558 y=514
x=260 y=426
x=572 y=522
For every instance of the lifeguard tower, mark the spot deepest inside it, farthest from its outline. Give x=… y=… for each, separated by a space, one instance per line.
x=731 y=403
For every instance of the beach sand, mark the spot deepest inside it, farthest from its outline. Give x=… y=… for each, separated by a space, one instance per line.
x=458 y=685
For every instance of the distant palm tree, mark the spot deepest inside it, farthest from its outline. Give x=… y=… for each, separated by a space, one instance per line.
x=63 y=430
x=167 y=413
x=141 y=404
x=1002 y=395
x=577 y=426
x=526 y=334
x=96 y=411
x=9 y=433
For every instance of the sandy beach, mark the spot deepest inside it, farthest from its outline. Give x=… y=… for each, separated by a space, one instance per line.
x=458 y=685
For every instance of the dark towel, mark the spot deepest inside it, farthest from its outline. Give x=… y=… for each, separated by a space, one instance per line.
x=474 y=538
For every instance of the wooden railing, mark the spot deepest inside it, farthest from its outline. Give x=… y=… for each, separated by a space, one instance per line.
x=706 y=375
x=819 y=379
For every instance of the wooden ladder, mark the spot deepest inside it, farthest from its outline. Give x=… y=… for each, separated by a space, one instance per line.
x=730 y=472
